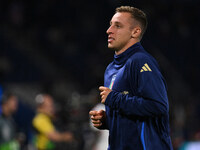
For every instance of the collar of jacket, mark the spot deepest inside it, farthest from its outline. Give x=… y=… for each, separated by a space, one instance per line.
x=121 y=58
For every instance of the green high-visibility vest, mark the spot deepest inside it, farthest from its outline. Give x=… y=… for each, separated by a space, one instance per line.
x=13 y=145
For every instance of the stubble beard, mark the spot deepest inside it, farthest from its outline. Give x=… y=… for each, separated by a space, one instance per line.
x=113 y=48
x=116 y=48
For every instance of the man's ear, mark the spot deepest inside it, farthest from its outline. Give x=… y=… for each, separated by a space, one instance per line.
x=136 y=32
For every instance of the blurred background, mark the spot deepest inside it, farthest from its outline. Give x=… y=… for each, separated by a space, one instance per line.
x=60 y=47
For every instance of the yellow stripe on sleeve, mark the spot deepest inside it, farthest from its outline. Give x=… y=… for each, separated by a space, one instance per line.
x=147 y=66
x=144 y=68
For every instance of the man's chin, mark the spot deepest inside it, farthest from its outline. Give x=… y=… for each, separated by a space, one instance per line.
x=111 y=47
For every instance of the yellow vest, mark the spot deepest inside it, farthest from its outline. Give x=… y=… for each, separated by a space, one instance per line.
x=43 y=124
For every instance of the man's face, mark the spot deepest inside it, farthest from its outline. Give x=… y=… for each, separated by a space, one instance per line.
x=120 y=31
x=48 y=106
x=12 y=104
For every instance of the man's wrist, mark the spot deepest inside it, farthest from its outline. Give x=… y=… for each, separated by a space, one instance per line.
x=109 y=99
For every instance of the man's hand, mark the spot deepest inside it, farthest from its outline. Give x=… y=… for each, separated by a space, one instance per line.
x=98 y=117
x=104 y=93
x=68 y=137
x=60 y=136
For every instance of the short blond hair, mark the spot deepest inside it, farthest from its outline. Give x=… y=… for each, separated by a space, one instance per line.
x=136 y=14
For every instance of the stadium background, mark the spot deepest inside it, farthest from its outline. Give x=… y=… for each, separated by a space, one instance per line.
x=60 y=47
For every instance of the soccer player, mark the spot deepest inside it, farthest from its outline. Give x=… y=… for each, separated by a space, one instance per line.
x=134 y=90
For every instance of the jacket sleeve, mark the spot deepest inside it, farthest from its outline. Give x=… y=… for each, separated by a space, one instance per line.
x=146 y=81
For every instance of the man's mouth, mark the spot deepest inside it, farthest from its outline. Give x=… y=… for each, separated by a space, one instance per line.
x=110 y=39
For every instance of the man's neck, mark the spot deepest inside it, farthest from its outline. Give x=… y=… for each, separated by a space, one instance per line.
x=126 y=47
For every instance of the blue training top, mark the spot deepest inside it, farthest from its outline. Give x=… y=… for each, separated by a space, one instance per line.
x=137 y=108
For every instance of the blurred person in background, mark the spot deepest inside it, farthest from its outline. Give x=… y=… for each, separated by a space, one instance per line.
x=134 y=90
x=9 y=105
x=46 y=133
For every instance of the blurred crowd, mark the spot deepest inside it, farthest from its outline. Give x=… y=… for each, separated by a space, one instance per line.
x=59 y=47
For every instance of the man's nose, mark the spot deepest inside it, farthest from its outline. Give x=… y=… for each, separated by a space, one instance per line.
x=109 y=30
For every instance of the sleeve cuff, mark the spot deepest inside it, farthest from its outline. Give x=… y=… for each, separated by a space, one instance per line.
x=109 y=99
x=112 y=99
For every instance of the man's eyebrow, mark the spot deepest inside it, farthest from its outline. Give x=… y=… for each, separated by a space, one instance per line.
x=116 y=22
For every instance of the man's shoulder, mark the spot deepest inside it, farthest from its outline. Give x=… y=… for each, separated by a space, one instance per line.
x=40 y=117
x=141 y=57
x=42 y=123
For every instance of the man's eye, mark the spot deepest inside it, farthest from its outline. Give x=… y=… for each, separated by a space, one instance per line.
x=117 y=26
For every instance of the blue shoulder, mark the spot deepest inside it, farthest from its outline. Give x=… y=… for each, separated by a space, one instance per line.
x=140 y=58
